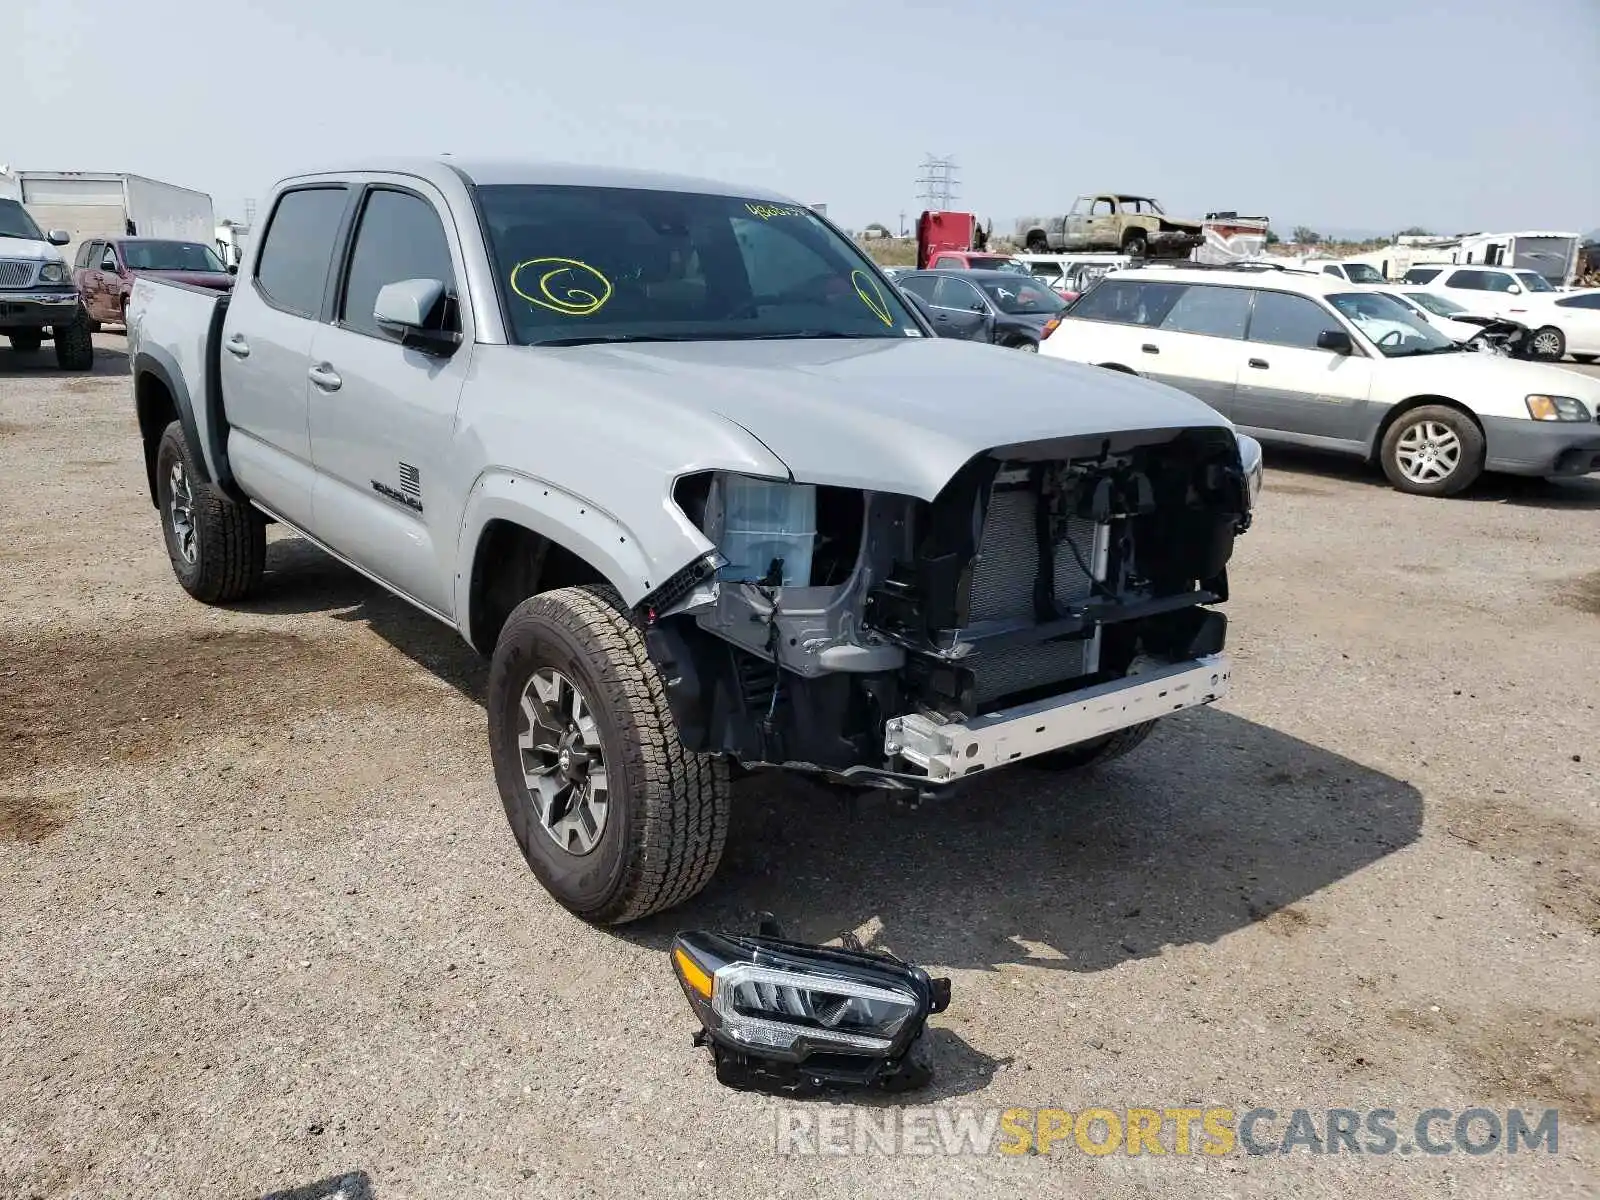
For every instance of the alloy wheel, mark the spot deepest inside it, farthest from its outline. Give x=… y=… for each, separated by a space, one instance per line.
x=563 y=762
x=1428 y=452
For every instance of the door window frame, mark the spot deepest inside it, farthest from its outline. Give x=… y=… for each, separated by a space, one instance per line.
x=344 y=257
x=340 y=238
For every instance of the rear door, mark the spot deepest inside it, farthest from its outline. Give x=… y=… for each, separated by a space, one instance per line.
x=382 y=415
x=959 y=311
x=266 y=348
x=1198 y=343
x=1287 y=385
x=1578 y=318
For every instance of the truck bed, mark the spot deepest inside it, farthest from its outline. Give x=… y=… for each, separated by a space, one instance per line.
x=175 y=337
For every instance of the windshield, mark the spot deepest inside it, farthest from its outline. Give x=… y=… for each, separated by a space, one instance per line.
x=582 y=264
x=1391 y=326
x=170 y=256
x=1023 y=297
x=15 y=222
x=1534 y=281
x=1437 y=305
x=1363 y=273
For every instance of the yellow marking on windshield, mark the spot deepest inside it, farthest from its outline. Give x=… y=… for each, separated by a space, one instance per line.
x=767 y=211
x=572 y=301
x=873 y=299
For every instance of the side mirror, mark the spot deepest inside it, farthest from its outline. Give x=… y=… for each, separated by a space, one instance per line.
x=1336 y=340
x=1515 y=289
x=233 y=268
x=58 y=237
x=409 y=309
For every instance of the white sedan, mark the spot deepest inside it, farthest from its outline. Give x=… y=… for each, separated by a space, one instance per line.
x=1565 y=323
x=1435 y=310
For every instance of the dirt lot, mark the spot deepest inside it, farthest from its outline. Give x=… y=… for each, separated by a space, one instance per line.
x=263 y=929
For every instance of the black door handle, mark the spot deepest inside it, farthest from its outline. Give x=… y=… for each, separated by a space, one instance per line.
x=1150 y=349
x=1259 y=364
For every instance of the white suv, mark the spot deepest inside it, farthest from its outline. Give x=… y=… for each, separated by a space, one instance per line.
x=1311 y=360
x=1486 y=291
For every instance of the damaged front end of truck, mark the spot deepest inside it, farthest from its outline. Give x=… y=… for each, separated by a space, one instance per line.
x=1052 y=592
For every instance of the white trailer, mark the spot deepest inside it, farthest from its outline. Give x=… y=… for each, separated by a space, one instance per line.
x=10 y=185
x=1553 y=255
x=109 y=204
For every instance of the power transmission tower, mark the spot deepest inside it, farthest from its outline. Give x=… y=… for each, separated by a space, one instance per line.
x=940 y=183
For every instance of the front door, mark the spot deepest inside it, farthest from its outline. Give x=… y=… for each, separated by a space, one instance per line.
x=1287 y=384
x=382 y=414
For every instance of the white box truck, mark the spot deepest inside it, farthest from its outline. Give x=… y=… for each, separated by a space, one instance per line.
x=110 y=204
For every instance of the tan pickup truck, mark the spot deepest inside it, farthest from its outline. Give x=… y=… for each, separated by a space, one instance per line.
x=1112 y=221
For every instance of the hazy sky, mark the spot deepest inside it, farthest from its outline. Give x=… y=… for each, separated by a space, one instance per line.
x=1473 y=114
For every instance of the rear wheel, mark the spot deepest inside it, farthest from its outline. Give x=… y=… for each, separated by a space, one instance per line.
x=1095 y=750
x=1037 y=244
x=1549 y=344
x=1432 y=451
x=74 y=345
x=616 y=818
x=1134 y=244
x=217 y=545
x=27 y=341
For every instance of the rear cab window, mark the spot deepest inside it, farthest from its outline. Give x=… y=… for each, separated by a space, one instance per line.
x=297 y=251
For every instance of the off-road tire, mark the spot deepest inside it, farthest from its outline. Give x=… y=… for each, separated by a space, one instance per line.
x=230 y=537
x=1135 y=244
x=1555 y=344
x=27 y=342
x=667 y=818
x=1096 y=750
x=1469 y=467
x=1038 y=245
x=74 y=344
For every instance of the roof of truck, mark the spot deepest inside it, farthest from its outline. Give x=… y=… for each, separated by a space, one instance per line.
x=489 y=172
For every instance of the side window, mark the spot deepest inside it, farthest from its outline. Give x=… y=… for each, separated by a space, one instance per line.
x=1471 y=280
x=1422 y=275
x=1128 y=302
x=943 y=260
x=1284 y=320
x=1102 y=208
x=957 y=293
x=921 y=286
x=1213 y=311
x=1499 y=281
x=82 y=260
x=292 y=268
x=108 y=260
x=1587 y=300
x=398 y=237
x=1331 y=270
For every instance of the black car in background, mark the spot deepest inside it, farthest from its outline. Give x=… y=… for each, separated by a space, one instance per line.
x=986 y=306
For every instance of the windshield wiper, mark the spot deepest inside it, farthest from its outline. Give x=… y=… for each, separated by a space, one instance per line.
x=595 y=339
x=792 y=335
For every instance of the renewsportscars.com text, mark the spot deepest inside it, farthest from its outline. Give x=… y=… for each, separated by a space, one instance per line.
x=1178 y=1131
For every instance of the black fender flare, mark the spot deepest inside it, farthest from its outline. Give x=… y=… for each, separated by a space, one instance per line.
x=155 y=363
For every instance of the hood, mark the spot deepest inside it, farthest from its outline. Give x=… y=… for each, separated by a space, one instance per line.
x=885 y=414
x=15 y=247
x=1514 y=377
x=210 y=279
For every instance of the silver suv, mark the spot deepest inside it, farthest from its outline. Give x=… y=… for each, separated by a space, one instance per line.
x=709 y=492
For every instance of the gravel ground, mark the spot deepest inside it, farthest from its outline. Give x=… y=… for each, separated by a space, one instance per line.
x=263 y=930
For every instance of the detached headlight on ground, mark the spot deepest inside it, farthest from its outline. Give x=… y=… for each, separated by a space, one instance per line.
x=53 y=273
x=788 y=1017
x=1557 y=408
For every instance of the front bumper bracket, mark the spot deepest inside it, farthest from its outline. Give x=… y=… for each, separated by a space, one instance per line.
x=949 y=750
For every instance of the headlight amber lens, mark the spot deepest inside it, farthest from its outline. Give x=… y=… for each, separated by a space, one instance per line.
x=1556 y=408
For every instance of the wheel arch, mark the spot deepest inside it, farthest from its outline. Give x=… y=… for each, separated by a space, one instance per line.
x=1118 y=367
x=1375 y=447
x=522 y=535
x=159 y=398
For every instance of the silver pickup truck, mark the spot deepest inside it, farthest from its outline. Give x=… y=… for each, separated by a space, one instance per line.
x=703 y=484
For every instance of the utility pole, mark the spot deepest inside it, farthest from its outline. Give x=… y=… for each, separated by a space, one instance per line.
x=903 y=222
x=940 y=183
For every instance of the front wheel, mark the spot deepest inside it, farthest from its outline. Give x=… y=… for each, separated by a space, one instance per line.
x=1549 y=344
x=27 y=342
x=74 y=345
x=218 y=546
x=1432 y=451
x=616 y=818
x=1026 y=345
x=1135 y=245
